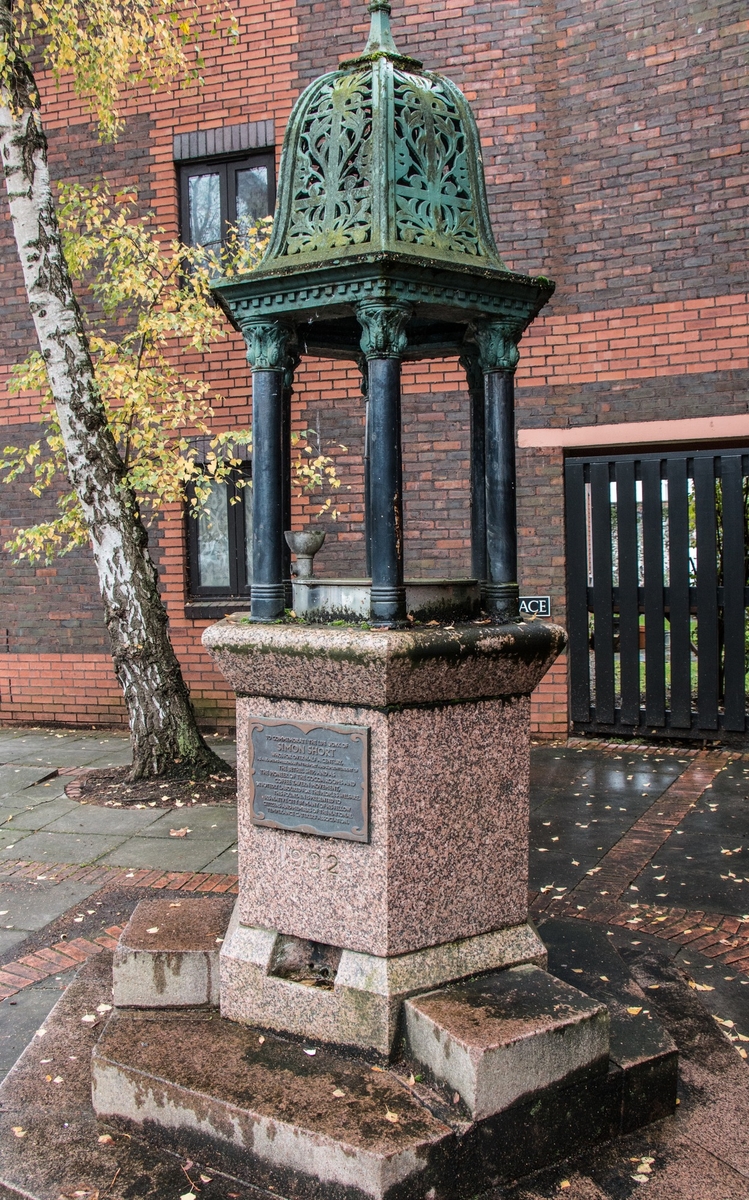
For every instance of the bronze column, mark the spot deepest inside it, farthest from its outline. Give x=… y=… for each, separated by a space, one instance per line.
x=383 y=341
x=267 y=349
x=497 y=341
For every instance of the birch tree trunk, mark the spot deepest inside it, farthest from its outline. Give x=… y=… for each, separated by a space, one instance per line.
x=165 y=737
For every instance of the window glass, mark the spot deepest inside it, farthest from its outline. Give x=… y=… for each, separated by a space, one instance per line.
x=251 y=197
x=213 y=540
x=204 y=207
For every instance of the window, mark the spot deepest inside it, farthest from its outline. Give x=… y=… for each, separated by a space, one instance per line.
x=216 y=194
x=220 y=541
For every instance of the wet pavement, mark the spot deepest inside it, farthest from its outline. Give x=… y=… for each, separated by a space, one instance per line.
x=650 y=845
x=38 y=822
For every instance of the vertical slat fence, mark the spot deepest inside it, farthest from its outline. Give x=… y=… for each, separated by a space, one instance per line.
x=664 y=540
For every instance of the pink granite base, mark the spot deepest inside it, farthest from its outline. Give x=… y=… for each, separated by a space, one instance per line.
x=448 y=851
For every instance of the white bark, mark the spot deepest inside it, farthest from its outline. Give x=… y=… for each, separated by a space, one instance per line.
x=162 y=723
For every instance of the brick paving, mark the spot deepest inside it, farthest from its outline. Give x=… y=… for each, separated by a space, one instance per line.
x=32 y=968
x=599 y=895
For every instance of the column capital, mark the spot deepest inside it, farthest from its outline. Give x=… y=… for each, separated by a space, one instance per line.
x=361 y=363
x=383 y=327
x=291 y=362
x=470 y=361
x=268 y=343
x=498 y=344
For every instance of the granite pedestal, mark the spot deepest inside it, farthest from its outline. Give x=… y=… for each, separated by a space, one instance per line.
x=438 y=890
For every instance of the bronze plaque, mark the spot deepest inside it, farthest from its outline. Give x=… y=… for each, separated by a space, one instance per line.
x=310 y=778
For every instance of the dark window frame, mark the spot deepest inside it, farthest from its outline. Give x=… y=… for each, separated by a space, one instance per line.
x=226 y=167
x=239 y=587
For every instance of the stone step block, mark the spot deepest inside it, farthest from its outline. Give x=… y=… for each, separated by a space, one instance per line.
x=295 y=1119
x=168 y=953
x=344 y=997
x=581 y=953
x=503 y=1036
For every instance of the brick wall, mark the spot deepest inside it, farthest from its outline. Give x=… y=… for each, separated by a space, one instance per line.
x=611 y=134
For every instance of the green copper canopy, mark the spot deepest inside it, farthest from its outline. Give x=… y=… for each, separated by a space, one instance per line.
x=381 y=197
x=382 y=156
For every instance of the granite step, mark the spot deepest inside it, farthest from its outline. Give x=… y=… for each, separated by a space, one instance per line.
x=168 y=953
x=582 y=954
x=500 y=1037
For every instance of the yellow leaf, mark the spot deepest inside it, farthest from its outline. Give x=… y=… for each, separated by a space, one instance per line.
x=634 y=1012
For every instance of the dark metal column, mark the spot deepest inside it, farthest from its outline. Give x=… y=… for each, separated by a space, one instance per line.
x=383 y=341
x=267 y=354
x=475 y=377
x=286 y=494
x=362 y=365
x=293 y=359
x=499 y=356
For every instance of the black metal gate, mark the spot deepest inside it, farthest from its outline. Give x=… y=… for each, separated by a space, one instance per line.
x=657 y=595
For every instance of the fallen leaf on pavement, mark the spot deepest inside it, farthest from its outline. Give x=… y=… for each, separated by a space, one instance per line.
x=392 y=1117
x=180 y=832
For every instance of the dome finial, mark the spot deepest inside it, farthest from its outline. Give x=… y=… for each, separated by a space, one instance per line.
x=380 y=38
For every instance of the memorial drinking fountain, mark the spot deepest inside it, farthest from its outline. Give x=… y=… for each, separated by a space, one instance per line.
x=387 y=1028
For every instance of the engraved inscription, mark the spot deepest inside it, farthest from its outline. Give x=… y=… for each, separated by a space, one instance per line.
x=310 y=778
x=292 y=858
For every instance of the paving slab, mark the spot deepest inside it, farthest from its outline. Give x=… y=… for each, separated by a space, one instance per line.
x=723 y=991
x=94 y=818
x=592 y=802
x=21 y=1015
x=226 y=863
x=49 y=750
x=714 y=1080
x=42 y=793
x=168 y=854
x=209 y=822
x=15 y=778
x=704 y=864
x=31 y=905
x=36 y=816
x=61 y=847
x=9 y=939
x=9 y=839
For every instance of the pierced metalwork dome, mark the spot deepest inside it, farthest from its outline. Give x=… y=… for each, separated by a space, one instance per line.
x=381 y=156
x=382 y=252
